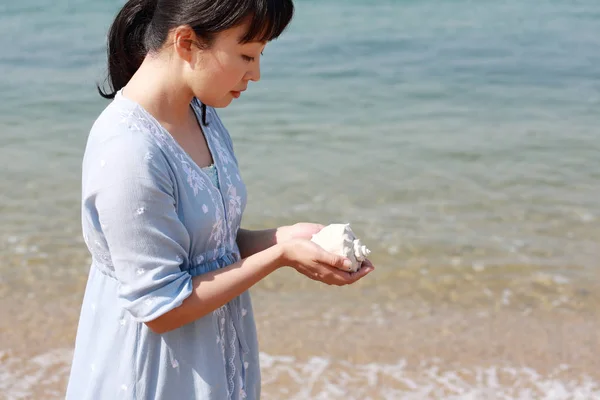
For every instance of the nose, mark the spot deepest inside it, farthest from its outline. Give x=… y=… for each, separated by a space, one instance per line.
x=254 y=73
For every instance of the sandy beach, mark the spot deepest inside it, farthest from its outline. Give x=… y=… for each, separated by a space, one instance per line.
x=328 y=343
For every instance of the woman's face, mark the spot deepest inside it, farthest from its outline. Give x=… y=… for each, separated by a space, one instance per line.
x=220 y=73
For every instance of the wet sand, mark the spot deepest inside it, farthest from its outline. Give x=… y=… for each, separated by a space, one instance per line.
x=322 y=342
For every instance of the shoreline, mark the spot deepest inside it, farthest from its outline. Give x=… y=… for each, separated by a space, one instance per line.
x=415 y=348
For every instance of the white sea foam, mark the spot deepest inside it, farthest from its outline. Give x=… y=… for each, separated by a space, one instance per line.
x=324 y=379
x=321 y=378
x=40 y=377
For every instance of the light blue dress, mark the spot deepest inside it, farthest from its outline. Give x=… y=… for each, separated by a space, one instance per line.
x=152 y=220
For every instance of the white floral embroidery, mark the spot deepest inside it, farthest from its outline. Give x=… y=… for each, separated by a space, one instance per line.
x=164 y=140
x=140 y=271
x=232 y=346
x=100 y=253
x=139 y=120
x=221 y=233
x=234 y=201
x=218 y=232
x=140 y=211
x=220 y=314
x=194 y=179
x=225 y=323
x=103 y=256
x=204 y=208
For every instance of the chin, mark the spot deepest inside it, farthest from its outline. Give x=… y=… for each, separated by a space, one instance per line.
x=221 y=103
x=215 y=101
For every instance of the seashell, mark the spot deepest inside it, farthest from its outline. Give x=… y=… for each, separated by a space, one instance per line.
x=340 y=239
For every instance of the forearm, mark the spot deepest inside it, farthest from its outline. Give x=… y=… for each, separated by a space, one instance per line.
x=216 y=288
x=252 y=242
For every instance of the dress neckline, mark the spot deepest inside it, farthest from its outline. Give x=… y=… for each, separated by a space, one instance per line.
x=205 y=130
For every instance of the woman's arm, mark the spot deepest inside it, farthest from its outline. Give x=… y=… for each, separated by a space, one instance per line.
x=251 y=242
x=213 y=289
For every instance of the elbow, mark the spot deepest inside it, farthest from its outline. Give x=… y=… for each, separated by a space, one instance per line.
x=159 y=326
x=156 y=328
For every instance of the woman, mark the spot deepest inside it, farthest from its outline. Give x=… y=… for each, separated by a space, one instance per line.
x=166 y=312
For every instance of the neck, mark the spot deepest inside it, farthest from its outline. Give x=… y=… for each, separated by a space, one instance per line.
x=154 y=87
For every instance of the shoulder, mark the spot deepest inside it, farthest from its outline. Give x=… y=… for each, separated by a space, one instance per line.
x=121 y=147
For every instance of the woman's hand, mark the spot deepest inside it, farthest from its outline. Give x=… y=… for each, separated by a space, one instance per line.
x=314 y=262
x=301 y=230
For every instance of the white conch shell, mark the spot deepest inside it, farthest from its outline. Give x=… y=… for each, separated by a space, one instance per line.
x=339 y=239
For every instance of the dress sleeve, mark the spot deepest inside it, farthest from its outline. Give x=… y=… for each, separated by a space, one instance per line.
x=147 y=242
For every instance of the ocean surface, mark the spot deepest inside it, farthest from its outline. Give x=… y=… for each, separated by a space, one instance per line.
x=460 y=139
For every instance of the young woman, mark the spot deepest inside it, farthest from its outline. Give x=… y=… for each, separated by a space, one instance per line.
x=166 y=312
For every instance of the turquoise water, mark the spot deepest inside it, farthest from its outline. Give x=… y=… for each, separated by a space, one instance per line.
x=459 y=138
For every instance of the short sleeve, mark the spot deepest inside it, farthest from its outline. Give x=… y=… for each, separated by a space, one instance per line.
x=134 y=200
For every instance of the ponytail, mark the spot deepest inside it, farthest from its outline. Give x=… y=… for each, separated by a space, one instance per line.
x=127 y=43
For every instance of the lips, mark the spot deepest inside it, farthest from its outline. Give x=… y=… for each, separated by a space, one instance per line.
x=237 y=93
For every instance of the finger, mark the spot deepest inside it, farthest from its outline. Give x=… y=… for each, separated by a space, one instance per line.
x=334 y=260
x=327 y=277
x=313 y=276
x=367 y=263
x=362 y=272
x=338 y=276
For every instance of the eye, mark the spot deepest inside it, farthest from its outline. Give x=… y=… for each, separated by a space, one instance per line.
x=250 y=58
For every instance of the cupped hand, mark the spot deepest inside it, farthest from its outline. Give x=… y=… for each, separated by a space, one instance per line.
x=320 y=265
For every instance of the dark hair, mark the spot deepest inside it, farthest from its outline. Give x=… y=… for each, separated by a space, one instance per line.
x=142 y=26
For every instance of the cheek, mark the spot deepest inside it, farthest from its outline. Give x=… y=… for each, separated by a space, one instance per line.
x=217 y=79
x=232 y=75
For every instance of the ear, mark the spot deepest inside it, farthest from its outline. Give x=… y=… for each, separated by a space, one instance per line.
x=184 y=38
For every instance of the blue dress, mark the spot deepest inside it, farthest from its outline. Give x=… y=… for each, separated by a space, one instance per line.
x=152 y=219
